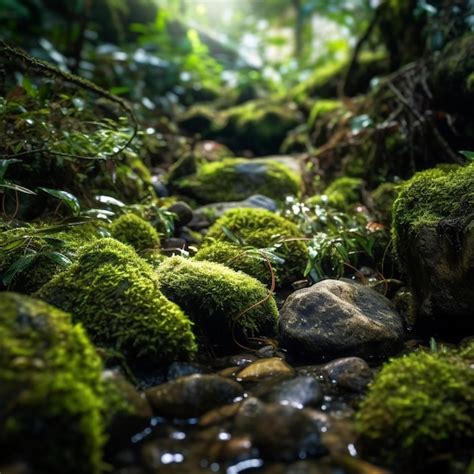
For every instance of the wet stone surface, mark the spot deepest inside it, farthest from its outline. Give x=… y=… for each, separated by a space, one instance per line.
x=279 y=418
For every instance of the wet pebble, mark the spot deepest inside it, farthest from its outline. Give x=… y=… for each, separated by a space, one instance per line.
x=350 y=373
x=219 y=415
x=264 y=368
x=299 y=391
x=280 y=432
x=227 y=448
x=184 y=213
x=181 y=369
x=192 y=396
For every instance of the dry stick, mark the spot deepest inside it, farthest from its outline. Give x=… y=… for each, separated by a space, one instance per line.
x=29 y=63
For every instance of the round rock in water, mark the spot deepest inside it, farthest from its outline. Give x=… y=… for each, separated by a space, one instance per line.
x=192 y=396
x=299 y=392
x=280 y=432
x=349 y=373
x=336 y=318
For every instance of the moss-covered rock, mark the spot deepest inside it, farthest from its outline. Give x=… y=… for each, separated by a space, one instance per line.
x=219 y=300
x=235 y=179
x=260 y=126
x=419 y=408
x=249 y=261
x=31 y=255
x=114 y=294
x=51 y=393
x=263 y=229
x=452 y=71
x=198 y=119
x=133 y=230
x=433 y=231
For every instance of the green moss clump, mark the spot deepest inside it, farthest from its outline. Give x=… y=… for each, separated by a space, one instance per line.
x=51 y=392
x=263 y=229
x=427 y=198
x=322 y=83
x=235 y=179
x=217 y=298
x=133 y=230
x=198 y=119
x=240 y=259
x=419 y=406
x=114 y=294
x=452 y=71
x=258 y=125
x=341 y=194
x=344 y=192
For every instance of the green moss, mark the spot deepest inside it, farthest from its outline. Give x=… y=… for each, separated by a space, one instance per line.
x=341 y=194
x=383 y=198
x=217 y=297
x=51 y=392
x=114 y=293
x=263 y=229
x=418 y=407
x=198 y=119
x=260 y=126
x=327 y=79
x=323 y=82
x=35 y=254
x=135 y=231
x=427 y=198
x=240 y=259
x=344 y=192
x=321 y=108
x=133 y=180
x=235 y=179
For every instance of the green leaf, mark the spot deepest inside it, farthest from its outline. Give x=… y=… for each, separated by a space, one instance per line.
x=109 y=200
x=58 y=258
x=54 y=241
x=468 y=154
x=29 y=87
x=16 y=187
x=18 y=266
x=13 y=244
x=69 y=199
x=232 y=236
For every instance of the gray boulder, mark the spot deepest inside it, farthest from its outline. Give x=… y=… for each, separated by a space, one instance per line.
x=336 y=318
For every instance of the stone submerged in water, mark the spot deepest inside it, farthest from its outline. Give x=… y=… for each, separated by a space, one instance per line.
x=349 y=373
x=192 y=396
x=264 y=368
x=336 y=318
x=280 y=432
x=300 y=391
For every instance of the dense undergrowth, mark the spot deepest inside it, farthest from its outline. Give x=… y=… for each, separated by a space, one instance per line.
x=169 y=195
